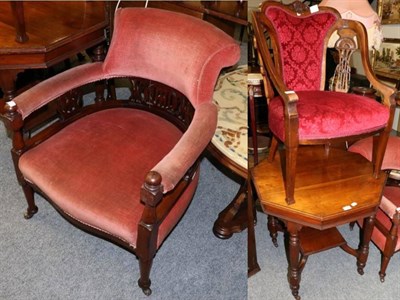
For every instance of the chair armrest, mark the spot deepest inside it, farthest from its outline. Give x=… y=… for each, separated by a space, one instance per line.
x=48 y=90
x=362 y=40
x=175 y=164
x=390 y=206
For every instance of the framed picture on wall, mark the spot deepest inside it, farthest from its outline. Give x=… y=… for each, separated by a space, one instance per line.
x=387 y=59
x=389 y=11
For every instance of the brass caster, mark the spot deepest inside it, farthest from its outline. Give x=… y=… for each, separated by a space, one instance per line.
x=147 y=291
x=30 y=212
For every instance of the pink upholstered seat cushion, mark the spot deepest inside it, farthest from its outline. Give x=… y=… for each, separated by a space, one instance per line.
x=94 y=168
x=327 y=115
x=391 y=194
x=391 y=160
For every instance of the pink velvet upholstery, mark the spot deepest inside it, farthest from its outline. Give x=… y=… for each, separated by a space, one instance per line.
x=391 y=160
x=301 y=44
x=158 y=57
x=114 y=205
x=390 y=194
x=187 y=56
x=144 y=45
x=325 y=115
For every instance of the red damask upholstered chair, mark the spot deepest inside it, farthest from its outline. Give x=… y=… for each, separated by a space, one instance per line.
x=292 y=49
x=386 y=234
x=126 y=169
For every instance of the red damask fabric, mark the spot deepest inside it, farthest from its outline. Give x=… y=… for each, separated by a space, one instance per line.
x=326 y=115
x=301 y=41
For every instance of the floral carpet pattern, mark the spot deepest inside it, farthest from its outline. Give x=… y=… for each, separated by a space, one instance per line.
x=230 y=96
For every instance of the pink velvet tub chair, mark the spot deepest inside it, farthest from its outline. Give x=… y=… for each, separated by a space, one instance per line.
x=292 y=44
x=126 y=169
x=386 y=233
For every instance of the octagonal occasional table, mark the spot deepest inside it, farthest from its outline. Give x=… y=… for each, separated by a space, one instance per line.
x=332 y=188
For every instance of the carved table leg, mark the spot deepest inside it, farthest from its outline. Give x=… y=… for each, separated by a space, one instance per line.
x=233 y=218
x=7 y=83
x=294 y=270
x=363 y=249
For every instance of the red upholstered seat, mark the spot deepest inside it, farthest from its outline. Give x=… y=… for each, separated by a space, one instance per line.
x=325 y=115
x=115 y=137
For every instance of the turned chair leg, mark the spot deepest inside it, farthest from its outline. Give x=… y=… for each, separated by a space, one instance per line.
x=351 y=225
x=30 y=198
x=272 y=149
x=273 y=229
x=378 y=152
x=144 y=281
x=384 y=263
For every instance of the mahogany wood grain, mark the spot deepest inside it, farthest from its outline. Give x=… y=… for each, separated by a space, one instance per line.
x=57 y=30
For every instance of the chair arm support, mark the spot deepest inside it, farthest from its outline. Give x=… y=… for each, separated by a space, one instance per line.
x=389 y=208
x=362 y=40
x=175 y=164
x=48 y=90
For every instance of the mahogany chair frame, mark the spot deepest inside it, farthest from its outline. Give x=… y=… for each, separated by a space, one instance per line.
x=271 y=70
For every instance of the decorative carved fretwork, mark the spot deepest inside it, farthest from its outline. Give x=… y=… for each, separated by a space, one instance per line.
x=161 y=99
x=345 y=47
x=69 y=103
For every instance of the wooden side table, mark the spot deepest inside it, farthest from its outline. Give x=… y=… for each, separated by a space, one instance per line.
x=332 y=188
x=56 y=30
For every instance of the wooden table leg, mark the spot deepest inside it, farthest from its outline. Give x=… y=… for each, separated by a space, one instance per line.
x=363 y=249
x=294 y=270
x=233 y=218
x=253 y=266
x=7 y=83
